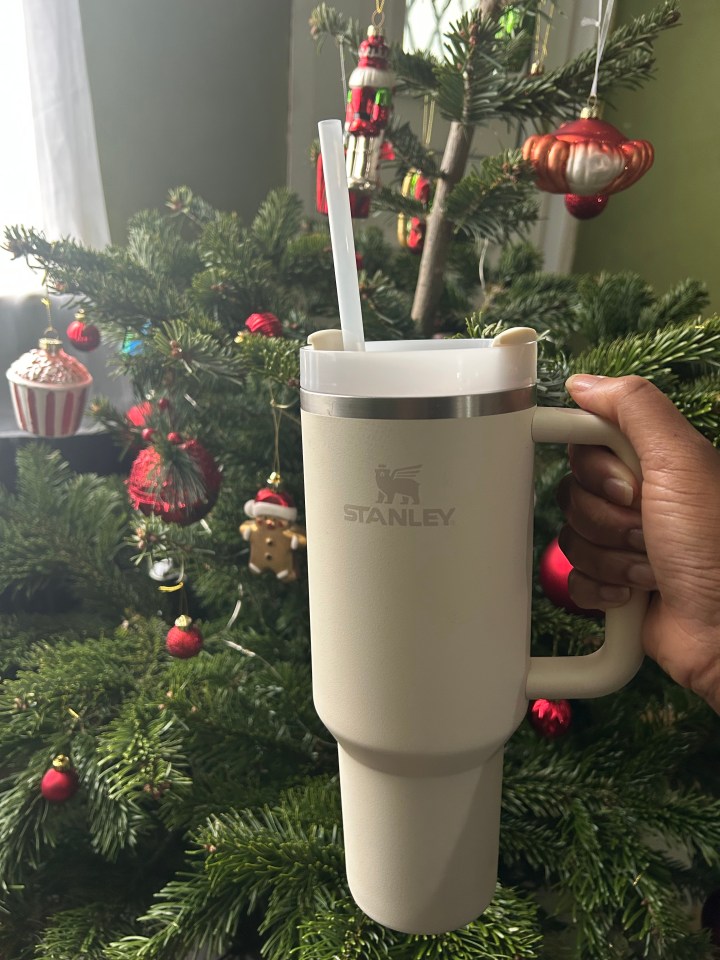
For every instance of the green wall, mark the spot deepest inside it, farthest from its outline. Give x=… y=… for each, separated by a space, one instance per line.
x=666 y=226
x=190 y=92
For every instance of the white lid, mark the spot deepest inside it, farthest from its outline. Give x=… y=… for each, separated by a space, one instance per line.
x=420 y=368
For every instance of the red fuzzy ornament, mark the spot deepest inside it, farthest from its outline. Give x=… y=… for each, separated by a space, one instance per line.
x=140 y=414
x=554 y=572
x=83 y=336
x=184 y=640
x=153 y=488
x=60 y=782
x=585 y=208
x=550 y=718
x=266 y=324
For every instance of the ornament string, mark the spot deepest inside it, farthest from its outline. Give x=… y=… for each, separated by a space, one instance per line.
x=343 y=73
x=542 y=38
x=428 y=119
x=603 y=27
x=50 y=329
x=378 y=17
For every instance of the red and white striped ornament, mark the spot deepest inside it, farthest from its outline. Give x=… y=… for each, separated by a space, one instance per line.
x=49 y=389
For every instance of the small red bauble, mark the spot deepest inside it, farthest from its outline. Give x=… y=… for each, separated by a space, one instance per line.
x=83 y=336
x=585 y=208
x=174 y=438
x=60 y=782
x=266 y=324
x=147 y=434
x=554 y=572
x=167 y=498
x=184 y=640
x=550 y=718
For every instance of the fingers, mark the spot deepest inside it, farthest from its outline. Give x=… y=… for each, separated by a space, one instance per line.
x=620 y=568
x=602 y=473
x=602 y=523
x=649 y=420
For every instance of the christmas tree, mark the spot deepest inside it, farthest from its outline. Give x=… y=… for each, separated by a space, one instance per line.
x=168 y=791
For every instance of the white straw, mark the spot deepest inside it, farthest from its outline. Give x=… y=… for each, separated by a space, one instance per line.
x=341 y=234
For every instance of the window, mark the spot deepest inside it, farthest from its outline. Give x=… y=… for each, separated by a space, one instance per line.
x=427 y=20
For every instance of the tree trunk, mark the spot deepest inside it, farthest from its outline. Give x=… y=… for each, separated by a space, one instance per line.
x=490 y=8
x=438 y=234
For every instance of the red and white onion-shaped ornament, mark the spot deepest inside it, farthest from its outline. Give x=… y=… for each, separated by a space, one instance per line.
x=411 y=230
x=266 y=324
x=60 y=782
x=550 y=718
x=82 y=335
x=154 y=489
x=587 y=158
x=183 y=640
x=49 y=389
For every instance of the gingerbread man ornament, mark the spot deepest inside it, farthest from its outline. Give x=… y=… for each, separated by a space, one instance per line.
x=273 y=535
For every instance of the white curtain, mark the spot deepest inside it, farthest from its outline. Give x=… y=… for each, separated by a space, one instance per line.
x=49 y=170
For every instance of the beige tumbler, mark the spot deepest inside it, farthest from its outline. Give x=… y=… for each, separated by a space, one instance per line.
x=419 y=499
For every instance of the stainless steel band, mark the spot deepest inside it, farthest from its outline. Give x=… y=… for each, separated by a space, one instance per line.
x=418 y=408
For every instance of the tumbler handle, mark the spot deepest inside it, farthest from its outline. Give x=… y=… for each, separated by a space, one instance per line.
x=619 y=658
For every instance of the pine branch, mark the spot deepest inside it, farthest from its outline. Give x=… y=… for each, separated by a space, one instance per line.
x=658 y=356
x=327 y=22
x=495 y=200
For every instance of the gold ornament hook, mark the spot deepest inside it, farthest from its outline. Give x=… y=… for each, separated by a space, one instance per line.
x=378 y=17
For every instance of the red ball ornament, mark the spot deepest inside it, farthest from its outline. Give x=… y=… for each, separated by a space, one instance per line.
x=60 y=782
x=154 y=488
x=550 y=718
x=710 y=917
x=184 y=640
x=585 y=208
x=83 y=336
x=266 y=324
x=147 y=434
x=587 y=157
x=554 y=571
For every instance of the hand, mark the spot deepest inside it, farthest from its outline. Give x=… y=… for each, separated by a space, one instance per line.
x=664 y=538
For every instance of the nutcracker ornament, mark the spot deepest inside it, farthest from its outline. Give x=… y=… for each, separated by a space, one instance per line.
x=367 y=114
x=272 y=532
x=411 y=230
x=49 y=388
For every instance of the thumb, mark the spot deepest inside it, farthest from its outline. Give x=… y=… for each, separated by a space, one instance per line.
x=649 y=419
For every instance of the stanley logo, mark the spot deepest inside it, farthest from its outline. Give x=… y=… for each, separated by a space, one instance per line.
x=398 y=502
